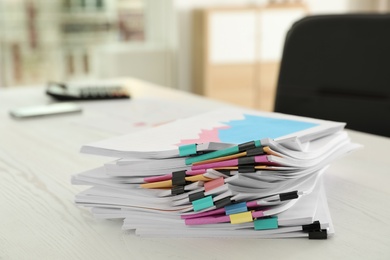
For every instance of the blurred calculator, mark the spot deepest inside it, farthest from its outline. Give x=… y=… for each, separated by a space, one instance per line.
x=64 y=92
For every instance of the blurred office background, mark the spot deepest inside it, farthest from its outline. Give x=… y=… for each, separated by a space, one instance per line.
x=224 y=49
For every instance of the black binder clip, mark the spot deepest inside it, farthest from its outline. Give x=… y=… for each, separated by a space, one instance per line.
x=288 y=195
x=318 y=234
x=222 y=202
x=314 y=230
x=316 y=225
x=179 y=178
x=246 y=160
x=225 y=172
x=195 y=196
x=176 y=190
x=255 y=151
x=246 y=168
x=246 y=146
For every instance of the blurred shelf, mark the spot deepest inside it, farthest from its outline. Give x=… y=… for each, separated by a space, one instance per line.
x=37 y=34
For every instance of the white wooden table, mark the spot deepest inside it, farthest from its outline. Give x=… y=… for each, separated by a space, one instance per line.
x=38 y=219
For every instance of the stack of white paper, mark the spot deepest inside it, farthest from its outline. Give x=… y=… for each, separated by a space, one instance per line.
x=226 y=173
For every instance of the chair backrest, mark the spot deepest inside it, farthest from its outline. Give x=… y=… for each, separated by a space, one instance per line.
x=337 y=67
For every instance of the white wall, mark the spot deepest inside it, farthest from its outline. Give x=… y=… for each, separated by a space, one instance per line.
x=148 y=62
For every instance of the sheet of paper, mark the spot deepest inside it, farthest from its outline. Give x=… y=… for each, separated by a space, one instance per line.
x=233 y=126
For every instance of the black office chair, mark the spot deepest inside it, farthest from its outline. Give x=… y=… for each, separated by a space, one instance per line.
x=337 y=67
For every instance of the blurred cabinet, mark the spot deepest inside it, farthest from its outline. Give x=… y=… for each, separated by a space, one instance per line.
x=237 y=51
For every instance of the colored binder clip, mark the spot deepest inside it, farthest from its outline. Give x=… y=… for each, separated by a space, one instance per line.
x=214 y=184
x=236 y=208
x=242 y=217
x=186 y=150
x=266 y=223
x=203 y=203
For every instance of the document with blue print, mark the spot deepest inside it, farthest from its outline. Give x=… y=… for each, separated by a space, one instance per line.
x=215 y=130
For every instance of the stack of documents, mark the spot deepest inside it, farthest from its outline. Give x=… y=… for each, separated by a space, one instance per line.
x=225 y=173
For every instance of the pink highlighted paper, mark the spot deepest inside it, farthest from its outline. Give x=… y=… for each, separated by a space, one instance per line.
x=205 y=136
